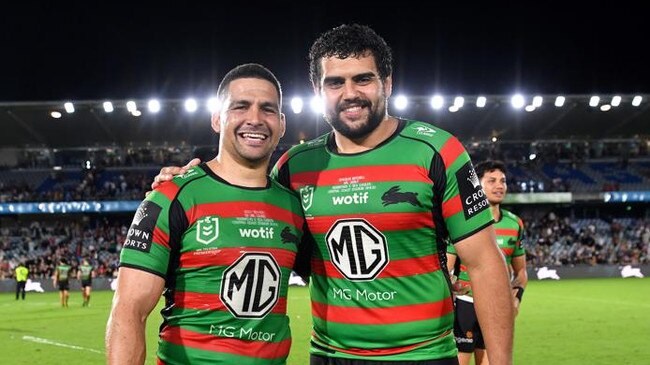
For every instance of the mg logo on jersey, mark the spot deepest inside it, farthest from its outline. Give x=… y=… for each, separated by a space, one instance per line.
x=207 y=229
x=250 y=287
x=306 y=196
x=357 y=249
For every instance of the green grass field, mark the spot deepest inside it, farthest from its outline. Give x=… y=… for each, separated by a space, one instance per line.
x=593 y=321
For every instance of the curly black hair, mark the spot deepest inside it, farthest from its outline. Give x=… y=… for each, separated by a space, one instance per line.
x=489 y=165
x=350 y=40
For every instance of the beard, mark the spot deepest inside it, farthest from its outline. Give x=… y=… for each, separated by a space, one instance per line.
x=360 y=128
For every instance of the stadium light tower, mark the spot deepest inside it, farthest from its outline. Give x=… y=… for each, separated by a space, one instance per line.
x=55 y=114
x=191 y=105
x=594 y=100
x=616 y=100
x=559 y=101
x=131 y=106
x=316 y=105
x=69 y=107
x=297 y=105
x=108 y=107
x=517 y=101
x=213 y=104
x=153 y=105
x=437 y=102
x=401 y=102
x=481 y=101
x=637 y=100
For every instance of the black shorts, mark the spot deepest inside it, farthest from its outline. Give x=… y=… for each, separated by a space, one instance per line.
x=64 y=285
x=85 y=283
x=322 y=360
x=466 y=328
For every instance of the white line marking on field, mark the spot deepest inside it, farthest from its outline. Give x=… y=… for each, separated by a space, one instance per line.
x=54 y=343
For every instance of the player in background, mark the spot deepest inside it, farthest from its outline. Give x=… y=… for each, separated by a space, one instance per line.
x=221 y=240
x=21 y=272
x=510 y=237
x=85 y=275
x=61 y=280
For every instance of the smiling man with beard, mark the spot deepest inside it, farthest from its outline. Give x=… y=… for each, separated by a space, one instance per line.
x=207 y=239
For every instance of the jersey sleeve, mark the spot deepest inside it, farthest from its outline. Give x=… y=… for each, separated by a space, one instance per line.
x=464 y=205
x=519 y=247
x=280 y=172
x=147 y=245
x=451 y=249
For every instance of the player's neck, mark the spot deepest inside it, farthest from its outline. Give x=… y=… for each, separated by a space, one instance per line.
x=238 y=174
x=496 y=211
x=384 y=130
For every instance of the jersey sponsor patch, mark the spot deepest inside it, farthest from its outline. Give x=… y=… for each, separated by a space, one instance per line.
x=250 y=287
x=471 y=193
x=357 y=249
x=140 y=233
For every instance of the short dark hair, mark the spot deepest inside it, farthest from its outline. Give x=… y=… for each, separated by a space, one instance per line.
x=246 y=71
x=489 y=165
x=350 y=40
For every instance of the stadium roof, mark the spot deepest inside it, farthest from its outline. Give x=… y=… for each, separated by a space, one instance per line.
x=30 y=124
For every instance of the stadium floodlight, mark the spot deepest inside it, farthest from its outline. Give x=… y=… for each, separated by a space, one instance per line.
x=316 y=104
x=532 y=156
x=481 y=101
x=616 y=100
x=401 y=102
x=297 y=105
x=637 y=100
x=437 y=102
x=131 y=106
x=459 y=101
x=213 y=104
x=153 y=105
x=537 y=101
x=529 y=108
x=108 y=107
x=494 y=139
x=517 y=101
x=69 y=107
x=605 y=107
x=594 y=100
x=559 y=101
x=136 y=113
x=190 y=105
x=55 y=114
x=453 y=109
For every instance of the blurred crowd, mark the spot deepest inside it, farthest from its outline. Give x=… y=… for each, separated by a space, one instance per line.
x=550 y=241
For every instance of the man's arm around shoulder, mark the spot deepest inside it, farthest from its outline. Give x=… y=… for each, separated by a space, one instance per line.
x=136 y=296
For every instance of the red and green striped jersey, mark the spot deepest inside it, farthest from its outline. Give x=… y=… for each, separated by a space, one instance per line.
x=86 y=272
x=379 y=221
x=510 y=236
x=226 y=254
x=63 y=273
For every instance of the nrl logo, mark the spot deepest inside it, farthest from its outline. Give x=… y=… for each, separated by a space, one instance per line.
x=140 y=215
x=473 y=179
x=306 y=196
x=427 y=131
x=207 y=229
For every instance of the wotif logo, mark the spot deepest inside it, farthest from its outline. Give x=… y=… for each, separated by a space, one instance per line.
x=262 y=232
x=356 y=198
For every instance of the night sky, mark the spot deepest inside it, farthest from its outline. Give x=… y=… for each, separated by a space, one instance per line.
x=109 y=50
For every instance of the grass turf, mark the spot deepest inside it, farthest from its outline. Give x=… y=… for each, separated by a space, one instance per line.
x=595 y=321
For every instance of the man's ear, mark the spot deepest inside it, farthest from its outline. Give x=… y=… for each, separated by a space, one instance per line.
x=388 y=85
x=283 y=123
x=216 y=121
